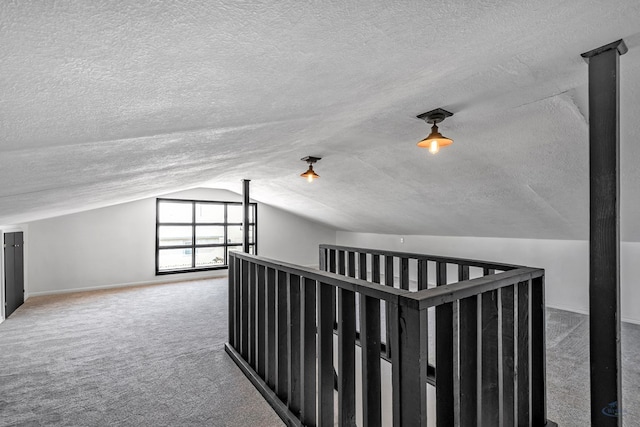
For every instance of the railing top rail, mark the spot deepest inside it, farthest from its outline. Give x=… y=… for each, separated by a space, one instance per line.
x=375 y=290
x=467 y=288
x=418 y=300
x=437 y=258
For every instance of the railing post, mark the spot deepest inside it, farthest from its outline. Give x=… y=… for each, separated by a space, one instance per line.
x=408 y=365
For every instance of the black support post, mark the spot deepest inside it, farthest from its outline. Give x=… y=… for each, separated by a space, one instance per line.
x=245 y=215
x=604 y=233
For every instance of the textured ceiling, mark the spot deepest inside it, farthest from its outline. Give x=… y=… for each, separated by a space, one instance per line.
x=104 y=102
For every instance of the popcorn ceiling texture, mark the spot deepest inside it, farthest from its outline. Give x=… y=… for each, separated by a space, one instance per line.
x=104 y=102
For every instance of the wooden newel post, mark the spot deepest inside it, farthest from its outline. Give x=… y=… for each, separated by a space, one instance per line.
x=409 y=364
x=604 y=233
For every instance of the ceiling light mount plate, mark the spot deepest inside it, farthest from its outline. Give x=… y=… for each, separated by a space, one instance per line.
x=435 y=116
x=311 y=159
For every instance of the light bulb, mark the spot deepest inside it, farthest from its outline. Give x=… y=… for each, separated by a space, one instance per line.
x=309 y=178
x=434 y=147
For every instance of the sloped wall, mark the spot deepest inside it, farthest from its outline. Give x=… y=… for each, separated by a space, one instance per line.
x=115 y=246
x=566 y=262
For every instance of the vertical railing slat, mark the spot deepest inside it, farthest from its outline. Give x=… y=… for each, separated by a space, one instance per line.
x=342 y=267
x=490 y=381
x=346 y=357
x=404 y=273
x=308 y=346
x=388 y=270
x=370 y=344
x=375 y=268
x=332 y=260
x=326 y=318
x=282 y=358
x=508 y=355
x=252 y=315
x=362 y=265
x=271 y=328
x=423 y=278
x=469 y=356
x=232 y=303
x=294 y=337
x=538 y=368
x=261 y=323
x=244 y=298
x=524 y=351
x=388 y=281
x=237 y=278
x=409 y=387
x=322 y=259
x=444 y=355
x=351 y=264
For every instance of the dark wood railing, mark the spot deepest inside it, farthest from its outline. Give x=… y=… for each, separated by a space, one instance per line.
x=489 y=337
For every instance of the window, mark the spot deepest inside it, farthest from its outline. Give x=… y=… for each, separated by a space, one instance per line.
x=196 y=235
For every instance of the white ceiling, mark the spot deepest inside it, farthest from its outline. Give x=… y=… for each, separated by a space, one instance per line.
x=104 y=102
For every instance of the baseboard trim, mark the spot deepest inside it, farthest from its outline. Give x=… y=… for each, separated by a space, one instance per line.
x=164 y=279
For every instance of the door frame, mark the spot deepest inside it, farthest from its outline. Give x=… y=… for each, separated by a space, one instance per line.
x=12 y=229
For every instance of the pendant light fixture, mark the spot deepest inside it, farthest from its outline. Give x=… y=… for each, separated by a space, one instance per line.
x=310 y=174
x=435 y=140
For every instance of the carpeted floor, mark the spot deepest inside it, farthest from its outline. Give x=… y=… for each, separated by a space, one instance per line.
x=153 y=356
x=568 y=370
x=144 y=356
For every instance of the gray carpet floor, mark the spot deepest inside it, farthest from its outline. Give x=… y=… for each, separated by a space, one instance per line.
x=144 y=356
x=153 y=356
x=568 y=370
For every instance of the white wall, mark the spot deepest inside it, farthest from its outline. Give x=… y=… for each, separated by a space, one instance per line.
x=115 y=246
x=566 y=262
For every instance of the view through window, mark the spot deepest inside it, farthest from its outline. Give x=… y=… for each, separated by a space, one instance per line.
x=194 y=235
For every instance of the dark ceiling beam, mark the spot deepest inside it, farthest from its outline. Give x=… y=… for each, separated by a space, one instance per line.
x=604 y=233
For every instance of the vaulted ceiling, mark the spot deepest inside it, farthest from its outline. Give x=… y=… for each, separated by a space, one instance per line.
x=104 y=102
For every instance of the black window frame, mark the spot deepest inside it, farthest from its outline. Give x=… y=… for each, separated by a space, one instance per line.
x=193 y=246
